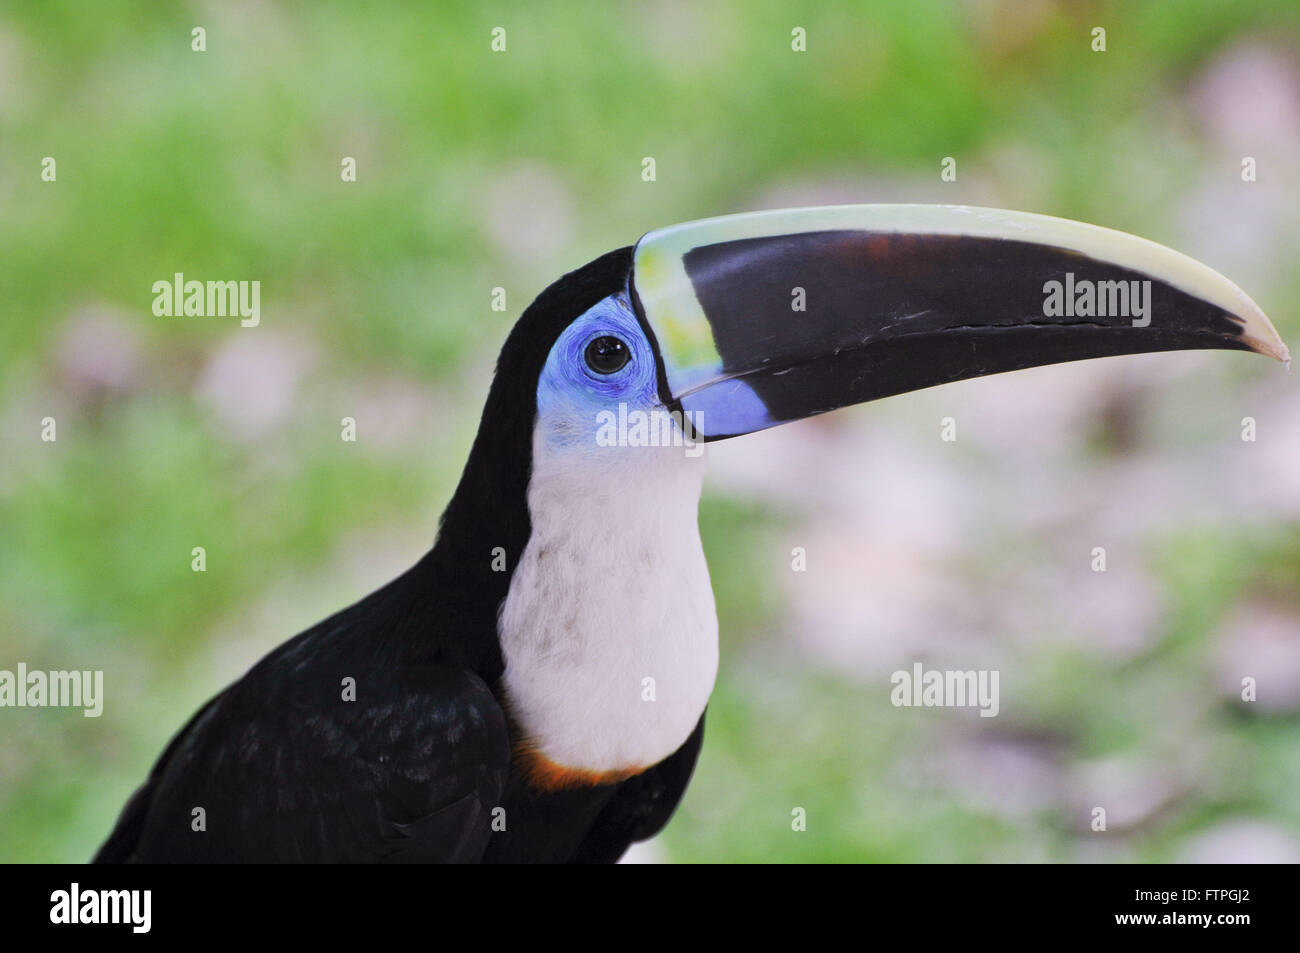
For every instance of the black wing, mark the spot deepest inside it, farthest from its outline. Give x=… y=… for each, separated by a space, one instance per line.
x=642 y=805
x=284 y=769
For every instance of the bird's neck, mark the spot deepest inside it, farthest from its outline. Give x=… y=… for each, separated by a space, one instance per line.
x=482 y=533
x=608 y=631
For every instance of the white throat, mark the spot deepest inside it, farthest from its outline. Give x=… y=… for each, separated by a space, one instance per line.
x=609 y=630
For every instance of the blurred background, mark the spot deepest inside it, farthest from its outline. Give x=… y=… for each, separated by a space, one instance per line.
x=478 y=170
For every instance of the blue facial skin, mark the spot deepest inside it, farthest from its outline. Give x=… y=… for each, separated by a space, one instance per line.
x=570 y=395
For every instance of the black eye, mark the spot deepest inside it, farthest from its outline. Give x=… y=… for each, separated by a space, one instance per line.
x=607 y=354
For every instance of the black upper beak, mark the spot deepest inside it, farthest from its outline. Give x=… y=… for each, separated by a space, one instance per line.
x=764 y=318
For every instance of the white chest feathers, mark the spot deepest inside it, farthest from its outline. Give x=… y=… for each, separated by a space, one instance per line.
x=609 y=631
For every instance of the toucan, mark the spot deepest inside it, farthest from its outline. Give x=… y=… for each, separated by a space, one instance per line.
x=533 y=689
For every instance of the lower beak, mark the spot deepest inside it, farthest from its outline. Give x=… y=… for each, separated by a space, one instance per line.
x=764 y=318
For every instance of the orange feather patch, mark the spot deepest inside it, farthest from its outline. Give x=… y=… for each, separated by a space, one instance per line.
x=545 y=775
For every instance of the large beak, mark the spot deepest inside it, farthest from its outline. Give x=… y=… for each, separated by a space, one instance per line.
x=763 y=318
